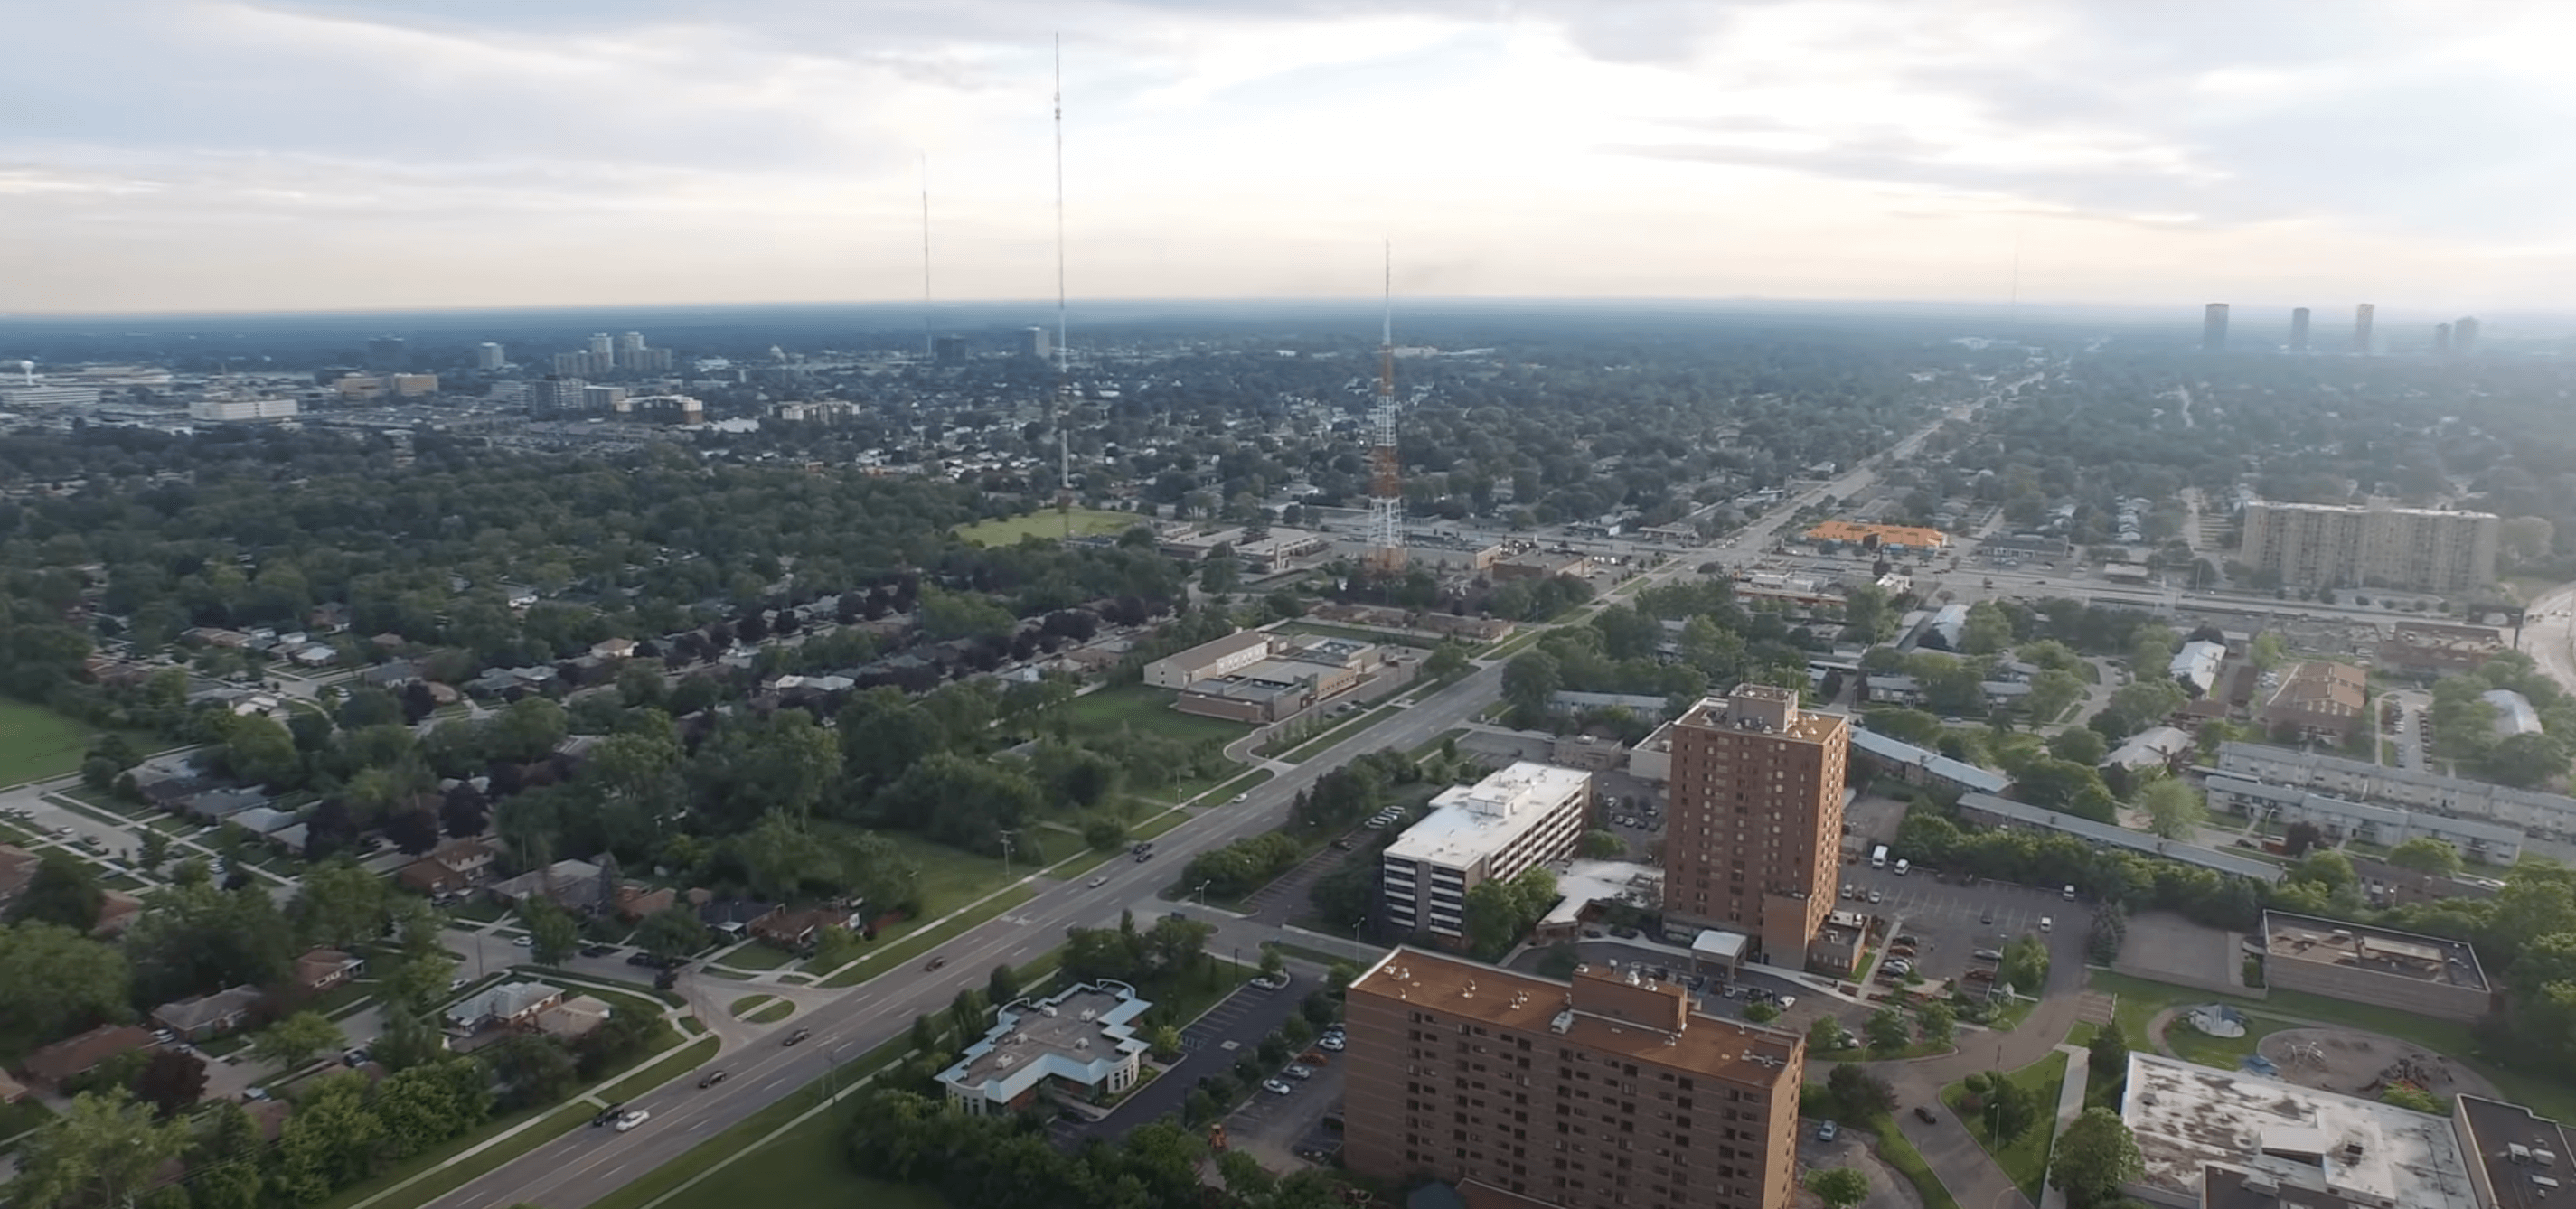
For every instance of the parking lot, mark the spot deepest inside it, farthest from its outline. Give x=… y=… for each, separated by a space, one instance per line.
x=1209 y=1046
x=1277 y=1128
x=1951 y=921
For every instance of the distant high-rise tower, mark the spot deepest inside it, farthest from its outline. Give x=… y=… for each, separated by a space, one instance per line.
x=2213 y=328
x=2441 y=339
x=1034 y=343
x=629 y=346
x=948 y=350
x=604 y=347
x=2361 y=329
x=2298 y=329
x=386 y=352
x=488 y=355
x=2464 y=336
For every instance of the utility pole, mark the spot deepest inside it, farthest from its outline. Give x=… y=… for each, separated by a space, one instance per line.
x=1006 y=835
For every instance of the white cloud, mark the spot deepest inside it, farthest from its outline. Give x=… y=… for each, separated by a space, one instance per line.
x=179 y=154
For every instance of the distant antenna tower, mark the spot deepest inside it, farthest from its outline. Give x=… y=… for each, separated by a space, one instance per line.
x=1386 y=484
x=1061 y=409
x=929 y=342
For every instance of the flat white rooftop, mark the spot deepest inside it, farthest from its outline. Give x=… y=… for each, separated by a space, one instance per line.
x=1585 y=882
x=1470 y=822
x=2185 y=1116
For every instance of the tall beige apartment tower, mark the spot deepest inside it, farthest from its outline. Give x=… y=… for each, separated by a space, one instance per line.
x=2373 y=545
x=1753 y=835
x=1605 y=1093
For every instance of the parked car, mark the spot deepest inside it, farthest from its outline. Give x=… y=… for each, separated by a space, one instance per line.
x=1989 y=955
x=1276 y=1087
x=1299 y=1070
x=1873 y=897
x=639 y=959
x=2045 y=923
x=522 y=941
x=1271 y=982
x=1903 y=938
x=1333 y=1043
x=1925 y=1115
x=597 y=950
x=1981 y=975
x=632 y=1119
x=1828 y=1131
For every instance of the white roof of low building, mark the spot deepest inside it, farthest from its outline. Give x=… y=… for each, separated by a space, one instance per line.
x=2187 y=1116
x=1722 y=946
x=2151 y=748
x=1585 y=882
x=2514 y=715
x=1957 y=772
x=1470 y=822
x=2197 y=663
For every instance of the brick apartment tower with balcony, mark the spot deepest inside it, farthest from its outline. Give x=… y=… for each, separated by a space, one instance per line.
x=1753 y=835
x=1608 y=1093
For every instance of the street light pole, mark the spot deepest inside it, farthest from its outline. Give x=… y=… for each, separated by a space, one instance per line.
x=1006 y=852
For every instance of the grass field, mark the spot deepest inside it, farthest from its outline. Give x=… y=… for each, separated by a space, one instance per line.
x=908 y=942
x=749 y=1003
x=1087 y=522
x=773 y=1013
x=37 y=743
x=1146 y=710
x=2026 y=1159
x=950 y=878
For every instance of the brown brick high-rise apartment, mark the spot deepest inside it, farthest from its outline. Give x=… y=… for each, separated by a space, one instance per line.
x=1753 y=835
x=1526 y=1092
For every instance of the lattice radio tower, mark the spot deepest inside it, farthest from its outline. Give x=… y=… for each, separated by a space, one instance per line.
x=1386 y=480
x=1060 y=410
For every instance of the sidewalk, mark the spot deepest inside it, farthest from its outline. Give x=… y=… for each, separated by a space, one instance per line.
x=2070 y=1105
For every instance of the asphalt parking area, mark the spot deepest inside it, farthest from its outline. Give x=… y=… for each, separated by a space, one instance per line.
x=1209 y=1046
x=1291 y=1123
x=1951 y=921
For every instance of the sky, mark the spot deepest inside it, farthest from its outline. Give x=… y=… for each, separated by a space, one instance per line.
x=211 y=155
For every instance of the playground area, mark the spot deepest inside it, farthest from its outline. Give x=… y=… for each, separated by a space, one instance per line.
x=2363 y=1064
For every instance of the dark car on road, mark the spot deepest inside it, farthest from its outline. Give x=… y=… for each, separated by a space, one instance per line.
x=597 y=950
x=798 y=1035
x=608 y=1114
x=712 y=1078
x=1925 y=1115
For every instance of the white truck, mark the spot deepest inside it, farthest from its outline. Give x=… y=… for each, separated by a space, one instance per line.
x=1878 y=857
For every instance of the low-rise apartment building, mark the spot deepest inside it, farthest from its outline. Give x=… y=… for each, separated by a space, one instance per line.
x=2369 y=822
x=1517 y=819
x=2532 y=811
x=2426 y=975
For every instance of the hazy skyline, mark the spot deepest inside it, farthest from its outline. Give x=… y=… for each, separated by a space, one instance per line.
x=171 y=155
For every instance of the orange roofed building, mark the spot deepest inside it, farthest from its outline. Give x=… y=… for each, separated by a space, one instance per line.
x=1911 y=537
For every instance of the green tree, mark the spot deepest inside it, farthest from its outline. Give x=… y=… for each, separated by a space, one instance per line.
x=329 y=1141
x=2327 y=868
x=2426 y=854
x=1761 y=1012
x=1986 y=631
x=527 y=730
x=1003 y=985
x=64 y=891
x=296 y=1040
x=1447 y=659
x=2079 y=745
x=2051 y=693
x=54 y=978
x=2095 y=1156
x=1838 y=1187
x=2007 y=1109
x=1939 y=1022
x=673 y=931
x=2173 y=808
x=340 y=904
x=1860 y=1094
x=99 y=1155
x=1824 y=1036
x=552 y=934
x=257 y=749
x=2025 y=964
x=1603 y=845
x=1887 y=1031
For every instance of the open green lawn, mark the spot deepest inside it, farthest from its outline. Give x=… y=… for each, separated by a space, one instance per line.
x=756 y=956
x=36 y=743
x=1087 y=522
x=951 y=878
x=773 y=1013
x=2025 y=1160
x=749 y=1003
x=1146 y=709
x=1350 y=726
x=669 y=1067
x=805 y=1166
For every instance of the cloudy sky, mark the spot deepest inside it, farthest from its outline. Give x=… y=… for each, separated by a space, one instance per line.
x=216 y=155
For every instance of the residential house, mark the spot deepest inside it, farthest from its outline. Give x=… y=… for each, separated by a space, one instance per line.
x=201 y=1016
x=216 y=805
x=572 y=885
x=795 y=929
x=76 y=1056
x=324 y=969
x=614 y=648
x=573 y=1018
x=731 y=916
x=509 y=1005
x=633 y=903
x=116 y=912
x=391 y=675
x=450 y=868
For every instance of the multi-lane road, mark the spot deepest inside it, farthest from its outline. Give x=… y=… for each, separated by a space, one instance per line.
x=587 y=1164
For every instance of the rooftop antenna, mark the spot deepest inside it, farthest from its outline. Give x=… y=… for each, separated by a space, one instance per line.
x=929 y=343
x=1386 y=486
x=1063 y=365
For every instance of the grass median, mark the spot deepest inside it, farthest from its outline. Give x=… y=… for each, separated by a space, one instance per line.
x=669 y=1067
x=2024 y=1159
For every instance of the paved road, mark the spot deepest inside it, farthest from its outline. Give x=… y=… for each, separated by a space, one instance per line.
x=586 y=1165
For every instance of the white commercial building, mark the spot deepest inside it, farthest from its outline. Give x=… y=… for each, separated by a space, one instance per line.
x=1524 y=816
x=1232 y=653
x=237 y=409
x=1082 y=1042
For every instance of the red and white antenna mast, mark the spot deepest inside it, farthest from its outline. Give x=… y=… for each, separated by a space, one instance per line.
x=1386 y=481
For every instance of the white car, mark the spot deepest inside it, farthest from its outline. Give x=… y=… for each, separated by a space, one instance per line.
x=1271 y=982
x=1097 y=882
x=1238 y=798
x=1299 y=1070
x=1333 y=1043
x=1276 y=1087
x=632 y=1118
x=522 y=941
